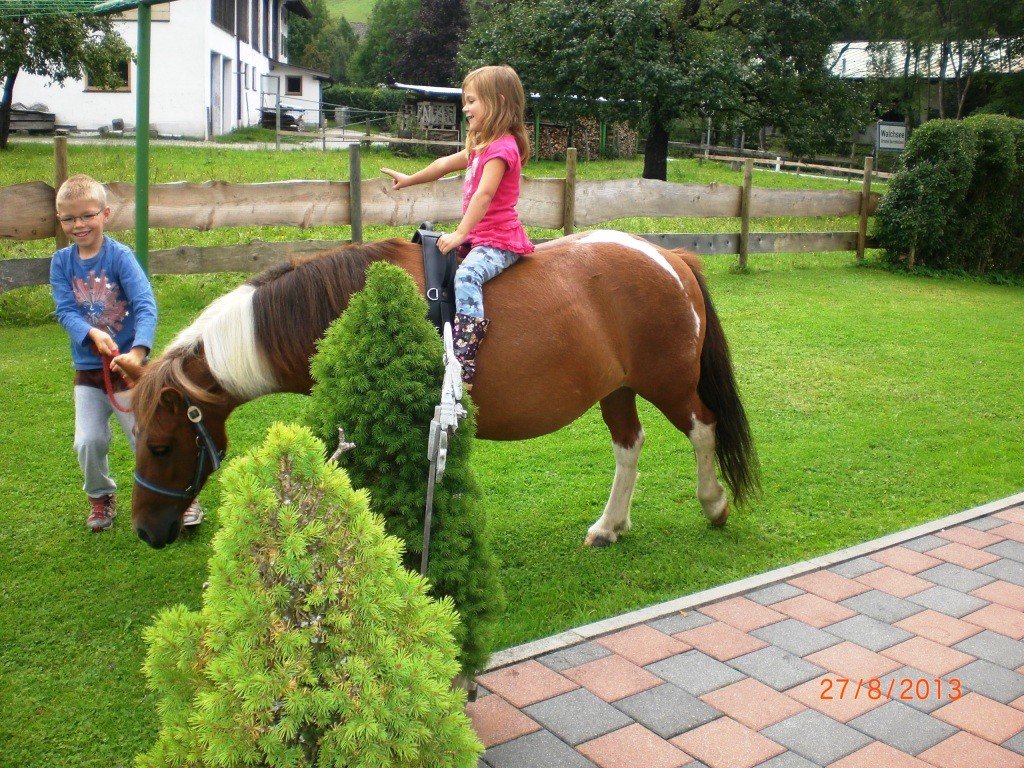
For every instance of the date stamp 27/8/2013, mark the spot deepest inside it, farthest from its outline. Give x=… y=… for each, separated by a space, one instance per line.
x=905 y=688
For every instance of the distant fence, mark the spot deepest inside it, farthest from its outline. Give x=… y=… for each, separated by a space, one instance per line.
x=550 y=203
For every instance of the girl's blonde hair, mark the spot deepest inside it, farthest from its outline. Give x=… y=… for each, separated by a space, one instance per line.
x=501 y=91
x=82 y=188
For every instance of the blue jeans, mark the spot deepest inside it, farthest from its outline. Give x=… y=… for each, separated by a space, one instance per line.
x=482 y=263
x=92 y=436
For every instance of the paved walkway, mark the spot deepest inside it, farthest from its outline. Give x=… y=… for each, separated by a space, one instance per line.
x=904 y=652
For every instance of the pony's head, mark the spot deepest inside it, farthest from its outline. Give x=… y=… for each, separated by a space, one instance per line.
x=180 y=439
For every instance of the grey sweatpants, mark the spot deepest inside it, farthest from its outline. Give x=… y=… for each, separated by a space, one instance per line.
x=92 y=436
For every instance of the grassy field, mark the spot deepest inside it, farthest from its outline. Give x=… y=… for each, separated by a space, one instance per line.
x=877 y=401
x=353 y=10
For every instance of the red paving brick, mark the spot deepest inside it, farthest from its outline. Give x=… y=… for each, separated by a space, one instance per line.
x=983 y=717
x=724 y=743
x=965 y=750
x=753 y=703
x=928 y=656
x=849 y=660
x=829 y=585
x=972 y=537
x=631 y=747
x=939 y=627
x=721 y=641
x=906 y=560
x=742 y=613
x=960 y=554
x=894 y=582
x=1002 y=592
x=496 y=721
x=1014 y=515
x=841 y=701
x=526 y=683
x=643 y=644
x=879 y=755
x=1013 y=531
x=814 y=610
x=999 y=618
x=612 y=678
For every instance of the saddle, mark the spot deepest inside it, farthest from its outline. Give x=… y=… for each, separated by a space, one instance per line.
x=438 y=277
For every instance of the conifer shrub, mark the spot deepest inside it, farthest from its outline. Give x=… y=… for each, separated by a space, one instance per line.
x=313 y=646
x=378 y=373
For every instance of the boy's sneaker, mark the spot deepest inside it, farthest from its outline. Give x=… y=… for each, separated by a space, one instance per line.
x=193 y=515
x=104 y=510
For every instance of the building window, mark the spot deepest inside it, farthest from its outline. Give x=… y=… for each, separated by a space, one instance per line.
x=121 y=81
x=223 y=14
x=293 y=86
x=242 y=13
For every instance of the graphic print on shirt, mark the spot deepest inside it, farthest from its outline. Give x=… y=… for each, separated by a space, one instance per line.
x=467 y=184
x=100 y=301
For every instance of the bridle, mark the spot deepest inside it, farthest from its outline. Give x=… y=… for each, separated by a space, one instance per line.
x=207 y=452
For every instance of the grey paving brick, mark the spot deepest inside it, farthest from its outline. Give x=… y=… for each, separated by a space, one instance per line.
x=574 y=656
x=816 y=737
x=956 y=577
x=694 y=672
x=924 y=543
x=878 y=605
x=902 y=727
x=986 y=523
x=992 y=680
x=677 y=622
x=851 y=569
x=776 y=667
x=796 y=637
x=540 y=748
x=776 y=593
x=696 y=764
x=905 y=689
x=577 y=716
x=1016 y=744
x=951 y=602
x=788 y=760
x=667 y=710
x=869 y=633
x=997 y=648
x=1014 y=550
x=1007 y=570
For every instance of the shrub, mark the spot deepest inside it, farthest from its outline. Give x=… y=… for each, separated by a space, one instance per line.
x=313 y=646
x=378 y=373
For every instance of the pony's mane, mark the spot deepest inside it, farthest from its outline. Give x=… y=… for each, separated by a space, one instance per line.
x=271 y=323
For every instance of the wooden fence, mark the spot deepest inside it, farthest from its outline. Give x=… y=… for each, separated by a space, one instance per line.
x=549 y=203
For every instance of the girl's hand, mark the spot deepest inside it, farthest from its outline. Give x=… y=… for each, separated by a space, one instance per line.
x=401 y=179
x=449 y=242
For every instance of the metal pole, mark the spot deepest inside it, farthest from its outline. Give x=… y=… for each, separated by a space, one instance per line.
x=142 y=139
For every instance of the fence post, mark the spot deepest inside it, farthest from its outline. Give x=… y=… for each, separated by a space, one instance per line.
x=569 y=202
x=60 y=175
x=355 y=193
x=865 y=194
x=748 y=181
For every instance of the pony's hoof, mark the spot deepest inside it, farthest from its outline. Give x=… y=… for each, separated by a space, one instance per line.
x=719 y=520
x=598 y=540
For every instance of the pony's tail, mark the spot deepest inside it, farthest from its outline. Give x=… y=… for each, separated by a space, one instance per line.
x=734 y=445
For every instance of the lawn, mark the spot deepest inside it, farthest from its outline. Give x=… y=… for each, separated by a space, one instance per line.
x=877 y=401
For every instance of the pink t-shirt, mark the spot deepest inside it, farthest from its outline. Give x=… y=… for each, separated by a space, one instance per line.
x=500 y=226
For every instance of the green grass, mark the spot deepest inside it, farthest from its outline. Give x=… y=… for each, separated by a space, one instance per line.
x=353 y=10
x=877 y=401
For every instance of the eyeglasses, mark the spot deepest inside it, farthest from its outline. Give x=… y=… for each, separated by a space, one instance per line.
x=85 y=218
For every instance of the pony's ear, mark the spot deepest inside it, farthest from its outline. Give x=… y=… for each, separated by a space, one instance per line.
x=171 y=399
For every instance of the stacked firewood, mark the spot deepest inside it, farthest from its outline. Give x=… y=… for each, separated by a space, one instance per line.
x=586 y=137
x=554 y=139
x=621 y=140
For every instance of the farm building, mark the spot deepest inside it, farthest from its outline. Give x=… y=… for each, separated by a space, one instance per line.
x=214 y=65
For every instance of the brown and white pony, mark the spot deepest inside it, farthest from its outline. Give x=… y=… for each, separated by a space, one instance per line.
x=595 y=317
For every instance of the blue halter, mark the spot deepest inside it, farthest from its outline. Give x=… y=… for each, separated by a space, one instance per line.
x=207 y=452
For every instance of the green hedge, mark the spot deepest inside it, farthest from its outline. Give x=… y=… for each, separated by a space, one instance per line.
x=368 y=99
x=957 y=200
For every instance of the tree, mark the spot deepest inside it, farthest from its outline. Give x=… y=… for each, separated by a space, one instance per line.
x=429 y=49
x=376 y=60
x=321 y=43
x=61 y=47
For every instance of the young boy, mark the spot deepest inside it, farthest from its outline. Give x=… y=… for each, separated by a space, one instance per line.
x=105 y=302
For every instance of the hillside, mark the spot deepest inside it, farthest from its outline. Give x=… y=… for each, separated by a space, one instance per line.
x=353 y=10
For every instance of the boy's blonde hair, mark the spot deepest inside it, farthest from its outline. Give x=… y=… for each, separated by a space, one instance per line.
x=81 y=187
x=501 y=91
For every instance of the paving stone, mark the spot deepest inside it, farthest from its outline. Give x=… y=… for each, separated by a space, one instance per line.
x=775 y=667
x=540 y=748
x=725 y=742
x=667 y=710
x=573 y=656
x=796 y=637
x=924 y=543
x=903 y=727
x=868 y=632
x=1014 y=550
x=816 y=737
x=956 y=577
x=1005 y=569
x=1016 y=744
x=742 y=613
x=632 y=746
x=881 y=606
x=695 y=672
x=983 y=717
x=992 y=680
x=994 y=647
x=642 y=644
x=788 y=760
x=680 y=622
x=986 y=523
x=753 y=703
x=966 y=749
x=905 y=679
x=951 y=602
x=851 y=569
x=774 y=594
x=577 y=716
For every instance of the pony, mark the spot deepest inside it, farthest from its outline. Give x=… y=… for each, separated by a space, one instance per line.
x=594 y=317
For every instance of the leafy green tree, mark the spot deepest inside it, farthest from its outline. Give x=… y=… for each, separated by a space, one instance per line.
x=429 y=49
x=378 y=374
x=313 y=646
x=59 y=46
x=321 y=43
x=376 y=61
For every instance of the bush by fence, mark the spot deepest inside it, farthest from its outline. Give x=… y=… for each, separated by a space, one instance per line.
x=957 y=199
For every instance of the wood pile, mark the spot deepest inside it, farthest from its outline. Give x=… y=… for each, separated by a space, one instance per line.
x=621 y=140
x=586 y=137
x=554 y=140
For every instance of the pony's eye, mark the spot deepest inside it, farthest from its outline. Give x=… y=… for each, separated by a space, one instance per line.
x=159 y=450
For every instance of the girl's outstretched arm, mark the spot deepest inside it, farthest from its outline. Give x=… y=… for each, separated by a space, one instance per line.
x=458 y=161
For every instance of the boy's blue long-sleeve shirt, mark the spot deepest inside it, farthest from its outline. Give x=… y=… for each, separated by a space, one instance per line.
x=109 y=291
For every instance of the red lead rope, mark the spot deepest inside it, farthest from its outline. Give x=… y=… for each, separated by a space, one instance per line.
x=107 y=359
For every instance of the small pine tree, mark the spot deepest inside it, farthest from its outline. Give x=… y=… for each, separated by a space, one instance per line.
x=314 y=646
x=378 y=374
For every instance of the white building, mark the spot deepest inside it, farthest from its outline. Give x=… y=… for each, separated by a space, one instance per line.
x=213 y=64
